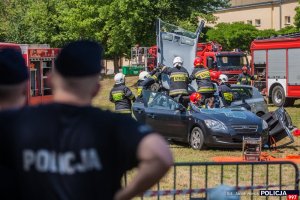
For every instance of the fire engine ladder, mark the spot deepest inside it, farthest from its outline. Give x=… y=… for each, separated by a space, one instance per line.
x=289 y=35
x=139 y=56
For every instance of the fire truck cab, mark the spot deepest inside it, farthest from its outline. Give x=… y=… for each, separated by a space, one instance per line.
x=39 y=60
x=227 y=62
x=276 y=62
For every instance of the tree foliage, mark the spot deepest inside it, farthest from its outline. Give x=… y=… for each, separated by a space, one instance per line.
x=117 y=24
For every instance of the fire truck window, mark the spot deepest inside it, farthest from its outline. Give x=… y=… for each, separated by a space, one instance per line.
x=259 y=63
x=47 y=66
x=35 y=78
x=224 y=60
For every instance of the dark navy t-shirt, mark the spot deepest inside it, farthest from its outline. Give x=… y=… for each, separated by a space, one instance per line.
x=68 y=152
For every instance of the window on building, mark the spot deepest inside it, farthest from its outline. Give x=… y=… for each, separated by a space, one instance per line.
x=287 y=20
x=249 y=22
x=257 y=22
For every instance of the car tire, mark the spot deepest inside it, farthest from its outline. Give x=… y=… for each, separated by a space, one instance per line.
x=197 y=139
x=279 y=99
x=278 y=96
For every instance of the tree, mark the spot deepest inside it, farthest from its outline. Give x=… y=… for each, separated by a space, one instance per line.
x=297 y=16
x=235 y=35
x=117 y=24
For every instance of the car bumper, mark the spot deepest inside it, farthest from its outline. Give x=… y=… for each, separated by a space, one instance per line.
x=231 y=139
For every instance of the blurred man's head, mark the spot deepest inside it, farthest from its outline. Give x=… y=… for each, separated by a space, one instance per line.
x=75 y=78
x=13 y=79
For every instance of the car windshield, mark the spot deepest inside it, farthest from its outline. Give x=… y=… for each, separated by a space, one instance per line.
x=166 y=27
x=231 y=62
x=237 y=112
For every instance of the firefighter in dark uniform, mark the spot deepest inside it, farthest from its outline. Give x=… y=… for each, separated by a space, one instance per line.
x=121 y=95
x=152 y=81
x=244 y=78
x=179 y=79
x=140 y=86
x=69 y=149
x=225 y=92
x=203 y=79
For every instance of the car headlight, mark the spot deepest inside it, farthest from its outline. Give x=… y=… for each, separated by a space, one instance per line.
x=215 y=125
x=264 y=125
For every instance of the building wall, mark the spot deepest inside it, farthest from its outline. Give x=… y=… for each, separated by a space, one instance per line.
x=269 y=14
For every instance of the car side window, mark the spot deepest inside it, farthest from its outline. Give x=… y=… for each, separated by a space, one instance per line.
x=240 y=93
x=160 y=101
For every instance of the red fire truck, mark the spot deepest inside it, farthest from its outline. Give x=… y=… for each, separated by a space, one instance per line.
x=40 y=62
x=276 y=62
x=226 y=62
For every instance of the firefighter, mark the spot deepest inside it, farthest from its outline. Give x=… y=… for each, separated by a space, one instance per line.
x=195 y=100
x=121 y=95
x=203 y=79
x=225 y=92
x=245 y=78
x=179 y=79
x=140 y=86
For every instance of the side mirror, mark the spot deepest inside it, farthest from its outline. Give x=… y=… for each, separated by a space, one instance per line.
x=180 y=107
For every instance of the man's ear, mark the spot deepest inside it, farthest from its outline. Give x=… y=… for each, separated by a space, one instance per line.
x=97 y=89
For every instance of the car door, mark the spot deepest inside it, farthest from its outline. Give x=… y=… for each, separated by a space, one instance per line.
x=164 y=115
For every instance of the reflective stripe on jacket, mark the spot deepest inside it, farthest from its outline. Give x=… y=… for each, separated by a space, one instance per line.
x=122 y=97
x=179 y=80
x=202 y=77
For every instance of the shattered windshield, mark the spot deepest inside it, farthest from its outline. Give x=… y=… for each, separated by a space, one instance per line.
x=234 y=113
x=231 y=62
x=166 y=27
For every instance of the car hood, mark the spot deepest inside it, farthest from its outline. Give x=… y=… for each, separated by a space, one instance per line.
x=229 y=116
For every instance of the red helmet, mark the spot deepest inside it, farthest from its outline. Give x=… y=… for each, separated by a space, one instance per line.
x=195 y=97
x=244 y=68
x=214 y=75
x=197 y=61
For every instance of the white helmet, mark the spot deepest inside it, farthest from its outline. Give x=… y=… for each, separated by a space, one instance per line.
x=119 y=78
x=178 y=61
x=223 y=78
x=143 y=75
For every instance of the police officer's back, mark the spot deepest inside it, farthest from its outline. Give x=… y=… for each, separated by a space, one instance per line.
x=203 y=79
x=121 y=95
x=71 y=150
x=244 y=78
x=179 y=78
x=13 y=95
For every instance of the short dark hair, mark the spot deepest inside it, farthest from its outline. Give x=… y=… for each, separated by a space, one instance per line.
x=13 y=69
x=79 y=59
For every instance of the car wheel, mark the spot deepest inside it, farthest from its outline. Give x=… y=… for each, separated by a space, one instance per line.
x=279 y=99
x=197 y=138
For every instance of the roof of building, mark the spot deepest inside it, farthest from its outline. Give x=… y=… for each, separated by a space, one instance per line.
x=237 y=4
